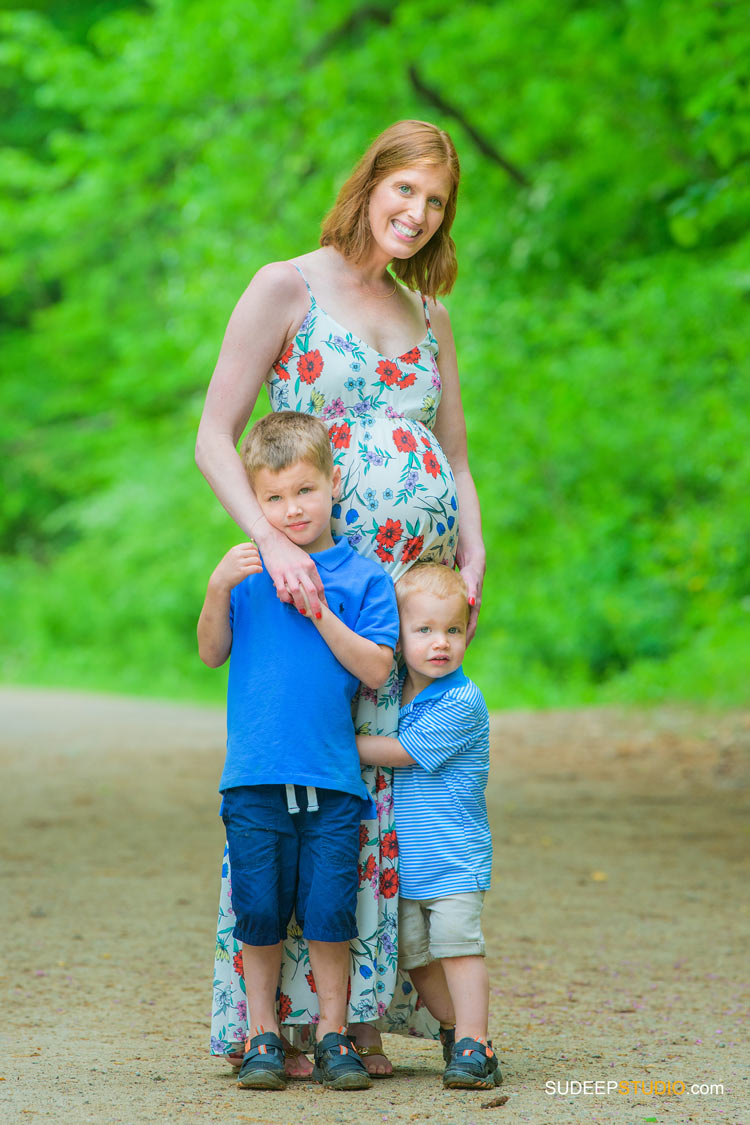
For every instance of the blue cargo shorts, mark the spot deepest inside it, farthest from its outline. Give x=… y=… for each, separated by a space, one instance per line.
x=285 y=863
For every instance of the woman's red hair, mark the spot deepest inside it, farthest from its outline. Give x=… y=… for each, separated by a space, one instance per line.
x=433 y=268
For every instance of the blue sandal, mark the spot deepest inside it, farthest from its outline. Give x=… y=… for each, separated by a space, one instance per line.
x=263 y=1065
x=338 y=1065
x=473 y=1066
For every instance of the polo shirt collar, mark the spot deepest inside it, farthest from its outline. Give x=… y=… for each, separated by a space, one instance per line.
x=436 y=688
x=334 y=556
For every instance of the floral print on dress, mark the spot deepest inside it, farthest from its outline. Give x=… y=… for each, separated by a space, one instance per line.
x=397 y=504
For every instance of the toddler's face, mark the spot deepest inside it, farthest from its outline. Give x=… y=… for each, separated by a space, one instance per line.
x=298 y=501
x=433 y=634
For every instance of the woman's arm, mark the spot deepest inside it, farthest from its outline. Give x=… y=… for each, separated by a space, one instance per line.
x=379 y=750
x=450 y=430
x=259 y=330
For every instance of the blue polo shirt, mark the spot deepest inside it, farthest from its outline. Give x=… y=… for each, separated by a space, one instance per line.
x=445 y=845
x=289 y=700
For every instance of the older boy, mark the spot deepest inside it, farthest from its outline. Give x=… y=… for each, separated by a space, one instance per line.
x=445 y=846
x=293 y=795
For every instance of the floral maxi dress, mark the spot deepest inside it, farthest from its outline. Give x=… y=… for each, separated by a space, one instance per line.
x=398 y=504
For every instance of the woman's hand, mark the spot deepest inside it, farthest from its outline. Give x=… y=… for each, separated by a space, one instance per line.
x=291 y=569
x=472 y=571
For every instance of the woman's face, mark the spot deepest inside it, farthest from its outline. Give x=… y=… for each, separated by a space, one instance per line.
x=407 y=207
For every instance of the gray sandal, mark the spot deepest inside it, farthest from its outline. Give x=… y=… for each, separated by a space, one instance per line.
x=473 y=1066
x=263 y=1065
x=338 y=1065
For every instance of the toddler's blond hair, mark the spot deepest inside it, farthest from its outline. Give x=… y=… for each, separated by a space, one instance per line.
x=431 y=578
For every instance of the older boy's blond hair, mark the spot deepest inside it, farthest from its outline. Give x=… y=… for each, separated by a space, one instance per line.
x=279 y=440
x=431 y=578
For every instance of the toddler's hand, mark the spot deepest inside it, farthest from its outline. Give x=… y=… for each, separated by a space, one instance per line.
x=236 y=565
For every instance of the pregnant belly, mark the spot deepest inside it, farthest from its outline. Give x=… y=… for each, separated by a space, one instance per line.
x=398 y=498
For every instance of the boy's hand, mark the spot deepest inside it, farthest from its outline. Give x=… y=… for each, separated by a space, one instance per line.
x=214 y=630
x=236 y=565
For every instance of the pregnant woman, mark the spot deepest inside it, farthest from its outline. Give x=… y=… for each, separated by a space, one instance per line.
x=352 y=332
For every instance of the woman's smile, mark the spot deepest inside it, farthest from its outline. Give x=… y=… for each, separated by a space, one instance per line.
x=403 y=231
x=417 y=196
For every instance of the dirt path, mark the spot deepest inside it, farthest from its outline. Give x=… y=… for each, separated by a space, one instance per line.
x=615 y=925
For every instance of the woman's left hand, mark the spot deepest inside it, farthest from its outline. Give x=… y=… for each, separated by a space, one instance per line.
x=472 y=571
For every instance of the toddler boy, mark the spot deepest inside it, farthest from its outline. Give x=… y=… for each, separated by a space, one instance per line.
x=445 y=846
x=293 y=795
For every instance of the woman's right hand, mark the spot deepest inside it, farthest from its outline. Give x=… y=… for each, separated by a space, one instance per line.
x=291 y=569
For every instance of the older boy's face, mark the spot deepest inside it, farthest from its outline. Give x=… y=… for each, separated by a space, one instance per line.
x=433 y=635
x=298 y=501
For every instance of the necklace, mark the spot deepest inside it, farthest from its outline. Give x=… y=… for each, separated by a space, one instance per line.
x=383 y=296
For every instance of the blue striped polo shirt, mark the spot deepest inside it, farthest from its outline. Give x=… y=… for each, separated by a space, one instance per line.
x=445 y=846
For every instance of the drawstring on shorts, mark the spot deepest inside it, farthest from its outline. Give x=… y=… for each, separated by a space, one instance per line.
x=291 y=799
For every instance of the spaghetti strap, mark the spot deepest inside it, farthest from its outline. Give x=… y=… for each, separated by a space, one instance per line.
x=307 y=284
x=426 y=311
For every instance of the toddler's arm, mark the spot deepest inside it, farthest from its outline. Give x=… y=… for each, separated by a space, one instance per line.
x=214 y=630
x=378 y=750
x=365 y=659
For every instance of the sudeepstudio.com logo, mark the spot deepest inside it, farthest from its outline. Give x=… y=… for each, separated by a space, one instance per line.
x=653 y=1088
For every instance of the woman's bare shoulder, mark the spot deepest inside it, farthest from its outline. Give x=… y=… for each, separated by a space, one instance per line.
x=438 y=310
x=277 y=281
x=275 y=300
x=441 y=321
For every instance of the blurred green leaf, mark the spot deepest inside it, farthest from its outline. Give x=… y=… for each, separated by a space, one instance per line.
x=154 y=156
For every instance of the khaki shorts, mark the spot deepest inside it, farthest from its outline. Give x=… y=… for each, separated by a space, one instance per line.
x=432 y=928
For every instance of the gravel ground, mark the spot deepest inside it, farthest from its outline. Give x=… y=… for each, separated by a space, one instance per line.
x=615 y=925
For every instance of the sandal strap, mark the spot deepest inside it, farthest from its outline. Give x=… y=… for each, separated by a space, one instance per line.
x=367 y=1052
x=473 y=1058
x=468 y=1048
x=335 y=1043
x=269 y=1045
x=338 y=1052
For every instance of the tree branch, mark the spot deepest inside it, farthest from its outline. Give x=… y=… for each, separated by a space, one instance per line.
x=484 y=146
x=369 y=13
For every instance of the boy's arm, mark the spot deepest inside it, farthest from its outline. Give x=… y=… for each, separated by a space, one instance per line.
x=378 y=750
x=365 y=659
x=214 y=629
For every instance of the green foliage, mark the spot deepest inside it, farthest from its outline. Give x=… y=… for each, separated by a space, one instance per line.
x=154 y=157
